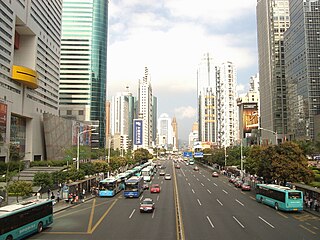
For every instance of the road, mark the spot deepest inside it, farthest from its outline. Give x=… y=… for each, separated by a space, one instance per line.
x=211 y=208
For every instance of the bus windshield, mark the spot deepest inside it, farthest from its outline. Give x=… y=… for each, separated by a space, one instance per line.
x=131 y=186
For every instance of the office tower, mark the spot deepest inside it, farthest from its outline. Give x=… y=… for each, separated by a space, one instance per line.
x=165 y=132
x=272 y=21
x=174 y=125
x=29 y=75
x=302 y=51
x=193 y=136
x=206 y=93
x=227 y=112
x=145 y=109
x=154 y=120
x=83 y=62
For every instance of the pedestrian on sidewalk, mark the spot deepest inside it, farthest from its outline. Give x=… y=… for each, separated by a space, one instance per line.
x=58 y=196
x=49 y=191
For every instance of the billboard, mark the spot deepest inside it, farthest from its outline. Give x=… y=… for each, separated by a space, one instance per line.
x=85 y=133
x=3 y=121
x=138 y=132
x=250 y=118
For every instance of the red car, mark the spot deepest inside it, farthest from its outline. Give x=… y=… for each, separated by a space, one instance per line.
x=155 y=188
x=177 y=166
x=215 y=174
x=245 y=187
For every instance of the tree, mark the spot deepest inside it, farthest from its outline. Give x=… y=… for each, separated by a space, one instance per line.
x=100 y=166
x=43 y=179
x=75 y=175
x=88 y=168
x=142 y=155
x=20 y=188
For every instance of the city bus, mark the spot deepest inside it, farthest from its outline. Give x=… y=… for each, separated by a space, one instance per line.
x=109 y=187
x=147 y=173
x=280 y=197
x=123 y=177
x=17 y=221
x=133 y=187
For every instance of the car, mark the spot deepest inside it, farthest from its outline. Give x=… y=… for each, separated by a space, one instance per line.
x=155 y=188
x=245 y=187
x=145 y=186
x=178 y=166
x=167 y=176
x=215 y=174
x=238 y=184
x=162 y=173
x=196 y=168
x=232 y=179
x=147 y=205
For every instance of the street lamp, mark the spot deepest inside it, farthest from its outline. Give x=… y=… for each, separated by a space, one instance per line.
x=78 y=145
x=275 y=133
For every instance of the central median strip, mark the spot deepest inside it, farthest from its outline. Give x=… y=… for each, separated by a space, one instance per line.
x=179 y=222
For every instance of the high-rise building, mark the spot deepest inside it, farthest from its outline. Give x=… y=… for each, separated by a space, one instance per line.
x=83 y=62
x=302 y=51
x=193 y=136
x=145 y=109
x=227 y=110
x=174 y=125
x=206 y=91
x=165 y=132
x=272 y=21
x=154 y=119
x=29 y=74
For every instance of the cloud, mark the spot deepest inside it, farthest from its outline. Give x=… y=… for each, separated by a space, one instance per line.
x=185 y=112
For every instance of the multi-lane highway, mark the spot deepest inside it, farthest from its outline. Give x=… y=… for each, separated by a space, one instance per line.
x=193 y=206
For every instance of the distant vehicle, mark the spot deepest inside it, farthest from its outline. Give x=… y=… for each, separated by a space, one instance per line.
x=238 y=184
x=162 y=173
x=145 y=186
x=215 y=174
x=167 y=176
x=17 y=221
x=245 y=187
x=147 y=205
x=177 y=166
x=155 y=188
x=191 y=161
x=280 y=197
x=133 y=187
x=196 y=168
x=147 y=173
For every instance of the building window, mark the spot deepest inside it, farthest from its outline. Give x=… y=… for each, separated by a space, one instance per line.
x=81 y=112
x=69 y=112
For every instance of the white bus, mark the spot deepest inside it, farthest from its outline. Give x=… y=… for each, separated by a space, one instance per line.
x=147 y=173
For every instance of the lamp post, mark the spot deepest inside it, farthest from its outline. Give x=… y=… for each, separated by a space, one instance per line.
x=78 y=145
x=274 y=132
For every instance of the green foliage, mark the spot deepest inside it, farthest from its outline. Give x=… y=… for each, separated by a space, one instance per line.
x=59 y=177
x=88 y=168
x=142 y=155
x=20 y=188
x=100 y=166
x=315 y=184
x=54 y=163
x=43 y=179
x=75 y=175
x=317 y=178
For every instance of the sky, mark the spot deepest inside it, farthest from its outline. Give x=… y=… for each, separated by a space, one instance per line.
x=170 y=37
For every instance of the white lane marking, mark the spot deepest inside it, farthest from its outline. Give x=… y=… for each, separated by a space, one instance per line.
x=215 y=184
x=192 y=190
x=202 y=184
x=153 y=213
x=208 y=179
x=186 y=179
x=266 y=222
x=183 y=172
x=141 y=197
x=132 y=213
x=208 y=191
x=161 y=182
x=239 y=202
x=225 y=191
x=158 y=197
x=203 y=175
x=189 y=184
x=210 y=222
x=238 y=221
x=199 y=202
x=219 y=202
x=197 y=179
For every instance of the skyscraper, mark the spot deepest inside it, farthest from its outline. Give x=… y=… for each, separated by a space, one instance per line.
x=83 y=62
x=302 y=51
x=206 y=90
x=174 y=125
x=29 y=74
x=145 y=108
x=272 y=21
x=165 y=132
x=227 y=110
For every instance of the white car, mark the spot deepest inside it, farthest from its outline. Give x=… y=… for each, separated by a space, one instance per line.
x=167 y=177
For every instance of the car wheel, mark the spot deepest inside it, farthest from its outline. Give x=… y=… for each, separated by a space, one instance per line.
x=40 y=227
x=9 y=237
x=276 y=206
x=261 y=200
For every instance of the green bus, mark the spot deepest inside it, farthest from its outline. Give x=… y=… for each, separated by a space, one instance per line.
x=280 y=197
x=17 y=221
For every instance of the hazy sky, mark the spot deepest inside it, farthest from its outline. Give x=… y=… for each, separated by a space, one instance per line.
x=170 y=37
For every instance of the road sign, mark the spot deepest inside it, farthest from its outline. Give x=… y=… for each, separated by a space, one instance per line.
x=198 y=154
x=187 y=154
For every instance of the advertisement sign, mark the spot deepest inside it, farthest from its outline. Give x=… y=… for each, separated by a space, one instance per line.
x=3 y=121
x=250 y=118
x=137 y=131
x=85 y=133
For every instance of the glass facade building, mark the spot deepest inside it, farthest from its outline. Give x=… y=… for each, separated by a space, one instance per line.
x=302 y=57
x=83 y=65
